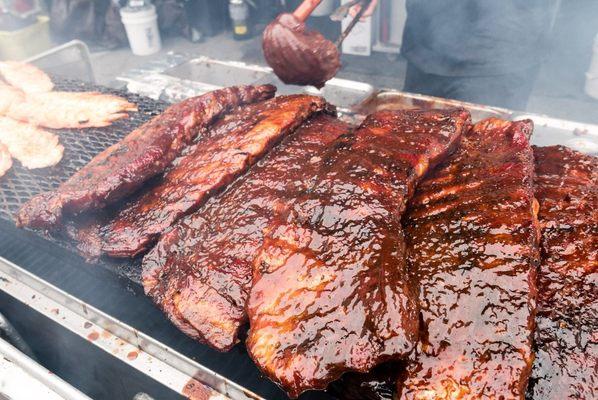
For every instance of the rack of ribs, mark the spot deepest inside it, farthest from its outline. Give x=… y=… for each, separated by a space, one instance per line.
x=472 y=237
x=144 y=153
x=200 y=272
x=330 y=290
x=227 y=150
x=566 y=362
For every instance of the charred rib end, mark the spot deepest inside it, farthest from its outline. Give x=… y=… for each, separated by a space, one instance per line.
x=40 y=212
x=265 y=92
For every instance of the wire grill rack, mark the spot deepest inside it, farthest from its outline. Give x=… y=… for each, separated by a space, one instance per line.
x=80 y=146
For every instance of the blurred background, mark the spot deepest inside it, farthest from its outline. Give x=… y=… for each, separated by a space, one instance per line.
x=565 y=86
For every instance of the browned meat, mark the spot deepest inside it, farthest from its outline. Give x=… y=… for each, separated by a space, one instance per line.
x=147 y=151
x=70 y=110
x=298 y=55
x=566 y=365
x=228 y=149
x=472 y=239
x=200 y=272
x=330 y=290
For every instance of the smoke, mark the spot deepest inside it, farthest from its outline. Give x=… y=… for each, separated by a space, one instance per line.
x=481 y=51
x=571 y=48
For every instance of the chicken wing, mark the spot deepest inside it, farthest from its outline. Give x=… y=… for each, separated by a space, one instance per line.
x=31 y=146
x=25 y=77
x=9 y=96
x=5 y=160
x=58 y=110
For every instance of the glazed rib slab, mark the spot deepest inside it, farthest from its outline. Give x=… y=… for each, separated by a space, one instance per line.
x=200 y=272
x=226 y=151
x=147 y=151
x=472 y=238
x=566 y=365
x=330 y=291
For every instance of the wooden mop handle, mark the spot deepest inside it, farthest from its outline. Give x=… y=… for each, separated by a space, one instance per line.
x=305 y=9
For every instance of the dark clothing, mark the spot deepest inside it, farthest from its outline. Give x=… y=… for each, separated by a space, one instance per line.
x=477 y=37
x=510 y=90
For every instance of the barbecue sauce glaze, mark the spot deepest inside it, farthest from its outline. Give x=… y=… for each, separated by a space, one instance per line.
x=330 y=290
x=298 y=55
x=472 y=238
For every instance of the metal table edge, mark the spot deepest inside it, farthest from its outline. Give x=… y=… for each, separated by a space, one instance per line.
x=152 y=358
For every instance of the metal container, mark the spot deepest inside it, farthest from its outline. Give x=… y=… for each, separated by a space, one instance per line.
x=218 y=73
x=353 y=99
x=343 y=93
x=550 y=131
x=387 y=99
x=547 y=130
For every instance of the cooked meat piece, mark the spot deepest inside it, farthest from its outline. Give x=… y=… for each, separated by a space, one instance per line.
x=5 y=160
x=147 y=151
x=9 y=96
x=566 y=364
x=200 y=272
x=26 y=77
x=31 y=100
x=297 y=54
x=58 y=110
x=330 y=290
x=33 y=147
x=228 y=150
x=472 y=236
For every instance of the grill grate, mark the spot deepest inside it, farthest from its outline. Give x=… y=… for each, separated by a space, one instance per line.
x=80 y=146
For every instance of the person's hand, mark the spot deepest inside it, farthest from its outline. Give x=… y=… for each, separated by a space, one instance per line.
x=367 y=13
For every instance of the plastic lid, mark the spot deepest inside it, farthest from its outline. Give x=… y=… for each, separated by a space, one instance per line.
x=139 y=10
x=138 y=6
x=138 y=3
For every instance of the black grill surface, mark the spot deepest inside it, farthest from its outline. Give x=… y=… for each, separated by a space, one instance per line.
x=80 y=146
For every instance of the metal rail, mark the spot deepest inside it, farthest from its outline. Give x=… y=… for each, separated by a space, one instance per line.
x=37 y=379
x=78 y=45
x=136 y=349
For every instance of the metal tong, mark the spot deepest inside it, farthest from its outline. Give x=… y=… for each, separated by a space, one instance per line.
x=342 y=12
x=307 y=7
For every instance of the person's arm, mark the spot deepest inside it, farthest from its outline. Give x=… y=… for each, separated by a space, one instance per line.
x=368 y=12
